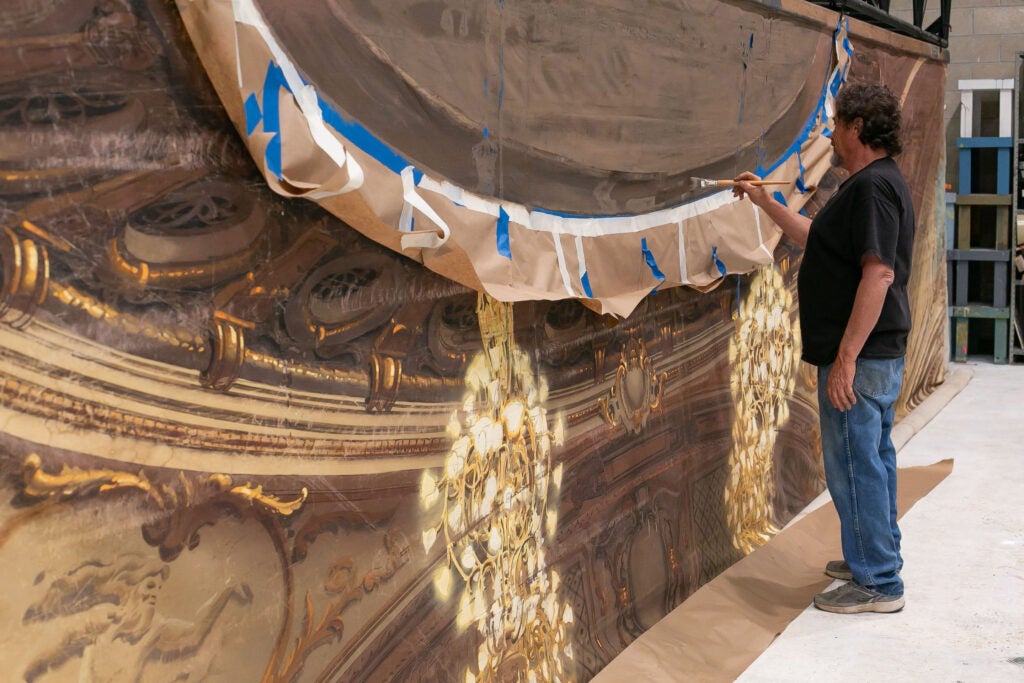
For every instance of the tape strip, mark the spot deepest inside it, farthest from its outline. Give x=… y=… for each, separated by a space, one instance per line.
x=684 y=277
x=305 y=95
x=562 y=269
x=581 y=259
x=800 y=183
x=718 y=261
x=424 y=239
x=501 y=230
x=588 y=226
x=760 y=236
x=253 y=116
x=651 y=262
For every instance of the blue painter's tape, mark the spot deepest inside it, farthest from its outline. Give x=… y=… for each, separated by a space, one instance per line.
x=718 y=261
x=362 y=138
x=273 y=155
x=253 y=116
x=827 y=132
x=779 y=198
x=368 y=143
x=417 y=176
x=651 y=263
x=586 y=285
x=819 y=110
x=502 y=229
x=272 y=83
x=487 y=133
x=801 y=185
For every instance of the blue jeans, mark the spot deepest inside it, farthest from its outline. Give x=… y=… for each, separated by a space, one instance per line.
x=860 y=470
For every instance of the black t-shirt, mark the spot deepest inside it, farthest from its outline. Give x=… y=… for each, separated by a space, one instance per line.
x=871 y=213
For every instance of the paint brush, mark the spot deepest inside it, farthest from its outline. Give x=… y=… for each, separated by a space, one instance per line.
x=703 y=183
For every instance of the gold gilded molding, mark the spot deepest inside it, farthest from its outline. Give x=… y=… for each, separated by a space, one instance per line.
x=172 y=336
x=137 y=274
x=142 y=274
x=636 y=390
x=35 y=400
x=343 y=582
x=76 y=482
x=763 y=356
x=45 y=235
x=26 y=278
x=227 y=357
x=385 y=380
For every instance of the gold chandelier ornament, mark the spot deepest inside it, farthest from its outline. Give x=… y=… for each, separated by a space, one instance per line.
x=763 y=356
x=496 y=508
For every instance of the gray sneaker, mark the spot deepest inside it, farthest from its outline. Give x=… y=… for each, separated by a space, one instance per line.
x=851 y=598
x=838 y=569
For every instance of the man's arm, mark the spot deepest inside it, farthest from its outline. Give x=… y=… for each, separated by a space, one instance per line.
x=793 y=224
x=875 y=279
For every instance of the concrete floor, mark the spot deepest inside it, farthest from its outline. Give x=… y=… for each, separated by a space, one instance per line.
x=963 y=548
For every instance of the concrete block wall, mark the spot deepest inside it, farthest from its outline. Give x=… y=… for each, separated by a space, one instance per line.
x=984 y=39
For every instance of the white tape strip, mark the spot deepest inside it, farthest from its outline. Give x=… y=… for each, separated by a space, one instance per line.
x=581 y=259
x=541 y=221
x=684 y=277
x=760 y=237
x=561 y=263
x=425 y=239
x=305 y=96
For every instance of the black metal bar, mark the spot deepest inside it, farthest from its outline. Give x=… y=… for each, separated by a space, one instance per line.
x=876 y=12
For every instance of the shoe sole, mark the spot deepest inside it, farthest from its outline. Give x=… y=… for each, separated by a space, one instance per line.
x=884 y=607
x=845 y=576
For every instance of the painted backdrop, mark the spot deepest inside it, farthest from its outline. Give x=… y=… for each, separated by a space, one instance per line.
x=247 y=436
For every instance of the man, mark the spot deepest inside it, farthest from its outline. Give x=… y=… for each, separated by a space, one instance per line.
x=854 y=320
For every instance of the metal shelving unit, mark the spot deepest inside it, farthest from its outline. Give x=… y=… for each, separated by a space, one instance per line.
x=976 y=203
x=1017 y=226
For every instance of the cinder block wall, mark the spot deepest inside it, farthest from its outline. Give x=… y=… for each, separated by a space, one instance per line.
x=984 y=39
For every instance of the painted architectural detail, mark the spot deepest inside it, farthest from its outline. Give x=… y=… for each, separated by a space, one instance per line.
x=764 y=355
x=636 y=391
x=344 y=586
x=188 y=491
x=124 y=629
x=25 y=271
x=497 y=506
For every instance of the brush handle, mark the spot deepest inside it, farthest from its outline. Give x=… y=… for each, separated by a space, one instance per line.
x=755 y=183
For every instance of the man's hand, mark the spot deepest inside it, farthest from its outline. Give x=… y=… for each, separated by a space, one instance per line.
x=840 y=384
x=758 y=195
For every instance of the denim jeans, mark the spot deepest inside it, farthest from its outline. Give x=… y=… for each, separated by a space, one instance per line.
x=860 y=470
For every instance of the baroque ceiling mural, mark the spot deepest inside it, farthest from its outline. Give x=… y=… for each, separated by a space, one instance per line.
x=359 y=341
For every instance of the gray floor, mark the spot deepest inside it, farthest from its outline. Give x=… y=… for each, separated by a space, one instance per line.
x=963 y=548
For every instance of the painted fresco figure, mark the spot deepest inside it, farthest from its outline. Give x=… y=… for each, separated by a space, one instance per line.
x=124 y=629
x=854 y=321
